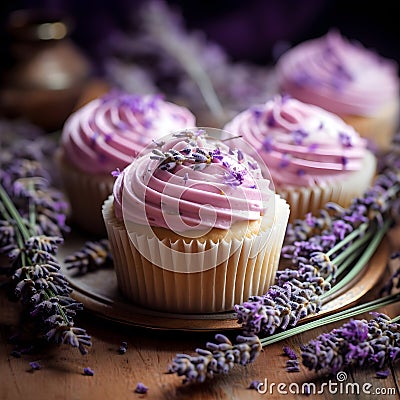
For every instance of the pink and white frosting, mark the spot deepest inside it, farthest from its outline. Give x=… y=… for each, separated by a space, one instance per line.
x=300 y=143
x=339 y=75
x=107 y=133
x=191 y=182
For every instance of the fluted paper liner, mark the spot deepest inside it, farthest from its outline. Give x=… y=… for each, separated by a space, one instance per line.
x=247 y=271
x=303 y=200
x=86 y=194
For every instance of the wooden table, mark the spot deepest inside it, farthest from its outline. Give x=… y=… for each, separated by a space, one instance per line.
x=149 y=353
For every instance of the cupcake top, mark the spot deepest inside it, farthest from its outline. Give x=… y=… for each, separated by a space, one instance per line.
x=339 y=75
x=300 y=143
x=108 y=132
x=191 y=181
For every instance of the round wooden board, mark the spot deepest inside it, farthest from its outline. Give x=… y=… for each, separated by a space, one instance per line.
x=98 y=291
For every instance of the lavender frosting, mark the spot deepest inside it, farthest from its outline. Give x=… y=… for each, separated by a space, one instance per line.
x=191 y=183
x=339 y=75
x=300 y=143
x=109 y=132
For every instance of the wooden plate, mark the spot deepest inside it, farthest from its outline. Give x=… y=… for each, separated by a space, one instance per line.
x=99 y=293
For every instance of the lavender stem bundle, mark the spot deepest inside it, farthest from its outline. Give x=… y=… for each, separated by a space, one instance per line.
x=32 y=223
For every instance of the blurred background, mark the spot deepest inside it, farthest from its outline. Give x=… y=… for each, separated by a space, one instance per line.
x=131 y=45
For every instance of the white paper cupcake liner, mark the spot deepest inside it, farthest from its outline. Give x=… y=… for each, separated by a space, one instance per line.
x=86 y=194
x=303 y=200
x=248 y=268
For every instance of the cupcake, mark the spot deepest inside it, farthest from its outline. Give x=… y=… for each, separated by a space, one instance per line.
x=313 y=156
x=194 y=227
x=104 y=136
x=347 y=79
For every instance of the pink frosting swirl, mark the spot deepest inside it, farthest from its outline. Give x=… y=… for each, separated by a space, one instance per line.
x=191 y=183
x=301 y=144
x=107 y=133
x=339 y=75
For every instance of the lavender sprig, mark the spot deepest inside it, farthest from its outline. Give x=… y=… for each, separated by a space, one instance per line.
x=92 y=256
x=356 y=343
x=295 y=296
x=217 y=358
x=36 y=281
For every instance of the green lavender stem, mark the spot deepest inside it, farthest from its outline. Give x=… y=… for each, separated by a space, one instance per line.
x=351 y=312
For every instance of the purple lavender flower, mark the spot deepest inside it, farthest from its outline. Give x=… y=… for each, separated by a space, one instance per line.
x=290 y=352
x=218 y=358
x=88 y=371
x=356 y=343
x=35 y=365
x=141 y=388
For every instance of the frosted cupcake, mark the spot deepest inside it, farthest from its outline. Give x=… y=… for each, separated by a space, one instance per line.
x=347 y=79
x=313 y=156
x=104 y=136
x=193 y=227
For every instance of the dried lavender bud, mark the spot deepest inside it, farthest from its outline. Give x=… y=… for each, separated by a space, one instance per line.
x=292 y=366
x=254 y=385
x=88 y=371
x=35 y=365
x=123 y=348
x=356 y=343
x=217 y=358
x=383 y=374
x=290 y=353
x=93 y=255
x=141 y=388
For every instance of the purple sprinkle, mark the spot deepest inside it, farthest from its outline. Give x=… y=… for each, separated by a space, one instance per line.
x=301 y=172
x=116 y=172
x=271 y=120
x=35 y=365
x=93 y=139
x=267 y=144
x=122 y=126
x=313 y=147
x=108 y=137
x=345 y=139
x=88 y=371
x=257 y=113
x=383 y=374
x=284 y=161
x=141 y=389
x=299 y=135
x=344 y=161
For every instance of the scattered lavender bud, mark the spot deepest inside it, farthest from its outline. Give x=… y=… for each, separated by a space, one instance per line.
x=383 y=374
x=87 y=371
x=35 y=365
x=254 y=385
x=290 y=353
x=141 y=388
x=123 y=348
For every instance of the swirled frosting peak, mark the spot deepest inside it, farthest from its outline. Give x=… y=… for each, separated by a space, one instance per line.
x=191 y=182
x=108 y=132
x=300 y=143
x=339 y=75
